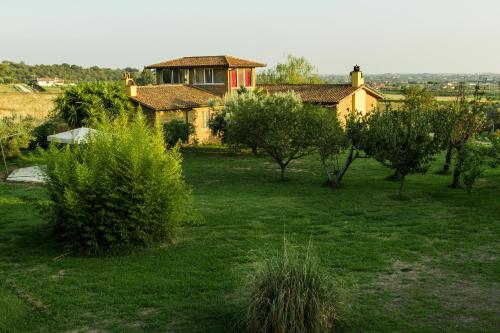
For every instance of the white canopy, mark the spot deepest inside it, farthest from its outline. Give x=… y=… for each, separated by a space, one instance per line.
x=74 y=136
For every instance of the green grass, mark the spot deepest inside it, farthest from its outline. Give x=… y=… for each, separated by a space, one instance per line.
x=427 y=264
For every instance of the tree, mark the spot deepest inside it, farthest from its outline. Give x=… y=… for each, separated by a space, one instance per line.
x=279 y=124
x=85 y=103
x=418 y=98
x=467 y=123
x=295 y=70
x=329 y=138
x=145 y=78
x=355 y=132
x=16 y=134
x=177 y=130
x=402 y=140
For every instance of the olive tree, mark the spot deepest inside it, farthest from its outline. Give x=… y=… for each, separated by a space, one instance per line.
x=329 y=139
x=279 y=124
x=467 y=122
x=355 y=133
x=402 y=140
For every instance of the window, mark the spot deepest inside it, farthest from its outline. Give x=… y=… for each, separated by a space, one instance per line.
x=173 y=76
x=208 y=76
x=234 y=78
x=248 y=77
x=241 y=77
x=205 y=117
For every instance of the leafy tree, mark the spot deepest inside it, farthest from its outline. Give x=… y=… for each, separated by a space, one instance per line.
x=279 y=124
x=177 y=130
x=467 y=123
x=16 y=134
x=476 y=157
x=355 y=133
x=329 y=138
x=418 y=98
x=86 y=103
x=120 y=190
x=402 y=140
x=145 y=78
x=295 y=70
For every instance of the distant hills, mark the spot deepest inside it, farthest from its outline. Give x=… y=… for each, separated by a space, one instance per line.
x=12 y=72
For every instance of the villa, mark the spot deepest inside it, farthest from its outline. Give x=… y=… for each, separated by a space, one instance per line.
x=185 y=86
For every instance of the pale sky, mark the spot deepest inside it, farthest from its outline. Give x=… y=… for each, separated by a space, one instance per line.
x=397 y=36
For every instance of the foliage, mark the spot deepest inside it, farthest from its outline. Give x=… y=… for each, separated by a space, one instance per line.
x=86 y=103
x=279 y=124
x=12 y=72
x=418 y=98
x=402 y=140
x=355 y=138
x=468 y=122
x=475 y=157
x=329 y=139
x=119 y=190
x=177 y=130
x=16 y=134
x=288 y=293
x=145 y=78
x=51 y=125
x=295 y=70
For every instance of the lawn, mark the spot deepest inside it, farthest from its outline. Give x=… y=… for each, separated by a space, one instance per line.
x=426 y=264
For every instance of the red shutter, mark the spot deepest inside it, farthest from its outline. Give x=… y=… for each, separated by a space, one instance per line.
x=234 y=78
x=248 y=77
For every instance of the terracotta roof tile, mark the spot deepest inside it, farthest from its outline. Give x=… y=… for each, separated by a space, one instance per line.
x=313 y=93
x=207 y=61
x=172 y=97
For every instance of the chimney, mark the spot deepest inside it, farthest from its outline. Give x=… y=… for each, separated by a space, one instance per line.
x=129 y=84
x=357 y=79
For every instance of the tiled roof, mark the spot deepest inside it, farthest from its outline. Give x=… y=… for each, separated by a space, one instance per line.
x=172 y=97
x=313 y=93
x=317 y=93
x=207 y=61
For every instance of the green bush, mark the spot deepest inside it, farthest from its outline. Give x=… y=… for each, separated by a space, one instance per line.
x=85 y=103
x=177 y=130
x=288 y=293
x=52 y=125
x=16 y=134
x=119 y=190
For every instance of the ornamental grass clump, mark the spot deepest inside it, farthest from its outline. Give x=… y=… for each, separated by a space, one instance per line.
x=119 y=190
x=288 y=293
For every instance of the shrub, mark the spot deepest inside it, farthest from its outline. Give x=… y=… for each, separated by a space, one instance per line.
x=86 y=103
x=16 y=134
x=50 y=126
x=288 y=293
x=177 y=130
x=119 y=190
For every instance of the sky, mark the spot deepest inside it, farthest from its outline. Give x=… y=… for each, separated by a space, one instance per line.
x=383 y=36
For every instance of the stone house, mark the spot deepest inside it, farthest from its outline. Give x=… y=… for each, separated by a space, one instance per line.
x=185 y=86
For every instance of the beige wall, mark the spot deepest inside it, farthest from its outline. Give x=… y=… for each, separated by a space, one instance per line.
x=371 y=103
x=194 y=116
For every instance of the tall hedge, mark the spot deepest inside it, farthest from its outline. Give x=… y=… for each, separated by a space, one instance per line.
x=119 y=190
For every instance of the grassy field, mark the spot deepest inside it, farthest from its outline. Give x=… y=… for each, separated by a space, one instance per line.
x=427 y=264
x=36 y=105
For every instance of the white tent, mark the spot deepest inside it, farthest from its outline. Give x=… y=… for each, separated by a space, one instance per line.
x=74 y=136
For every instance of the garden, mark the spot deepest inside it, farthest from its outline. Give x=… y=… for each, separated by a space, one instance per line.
x=344 y=225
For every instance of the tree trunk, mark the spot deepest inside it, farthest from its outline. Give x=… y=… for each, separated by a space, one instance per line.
x=447 y=161
x=282 y=171
x=254 y=150
x=347 y=163
x=401 y=183
x=327 y=173
x=457 y=172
